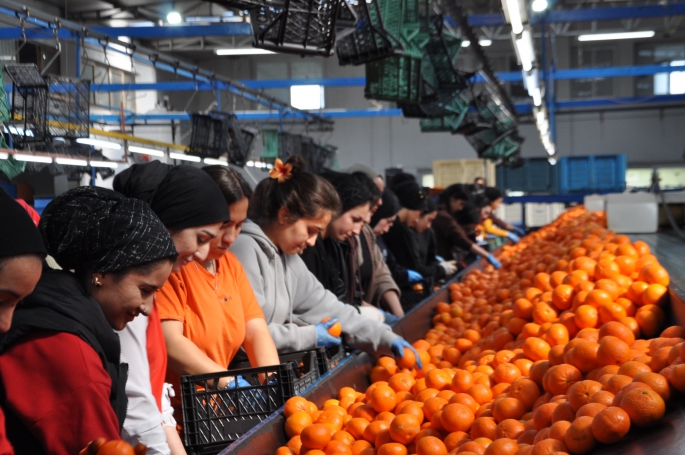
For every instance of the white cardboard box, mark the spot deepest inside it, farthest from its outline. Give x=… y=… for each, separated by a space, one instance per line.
x=595 y=203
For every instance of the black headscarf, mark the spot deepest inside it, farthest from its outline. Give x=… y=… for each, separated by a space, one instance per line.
x=389 y=208
x=352 y=189
x=470 y=214
x=181 y=196
x=18 y=234
x=492 y=193
x=99 y=230
x=411 y=196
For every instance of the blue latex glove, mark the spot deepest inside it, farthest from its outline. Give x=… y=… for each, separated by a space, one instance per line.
x=514 y=238
x=390 y=319
x=241 y=382
x=413 y=276
x=323 y=338
x=439 y=258
x=399 y=345
x=493 y=260
x=519 y=231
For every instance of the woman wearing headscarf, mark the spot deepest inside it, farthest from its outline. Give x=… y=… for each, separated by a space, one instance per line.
x=401 y=238
x=425 y=235
x=287 y=213
x=21 y=255
x=492 y=224
x=60 y=367
x=192 y=208
x=208 y=309
x=450 y=234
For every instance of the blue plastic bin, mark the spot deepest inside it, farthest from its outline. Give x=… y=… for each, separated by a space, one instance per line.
x=535 y=176
x=40 y=203
x=593 y=173
x=10 y=188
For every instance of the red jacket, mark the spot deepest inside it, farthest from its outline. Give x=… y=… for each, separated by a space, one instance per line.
x=56 y=388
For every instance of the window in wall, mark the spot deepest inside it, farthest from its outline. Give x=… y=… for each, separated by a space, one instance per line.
x=101 y=74
x=592 y=58
x=298 y=96
x=672 y=83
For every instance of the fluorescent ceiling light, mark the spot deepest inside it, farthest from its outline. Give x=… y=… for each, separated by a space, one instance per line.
x=539 y=5
x=174 y=17
x=613 y=36
x=524 y=45
x=99 y=143
x=552 y=160
x=4 y=156
x=183 y=156
x=537 y=96
x=71 y=162
x=18 y=131
x=215 y=161
x=249 y=164
x=514 y=14
x=33 y=158
x=108 y=164
x=243 y=51
x=145 y=151
x=482 y=42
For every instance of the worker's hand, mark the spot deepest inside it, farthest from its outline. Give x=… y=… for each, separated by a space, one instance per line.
x=323 y=338
x=513 y=237
x=413 y=276
x=450 y=267
x=398 y=347
x=439 y=258
x=493 y=260
x=519 y=231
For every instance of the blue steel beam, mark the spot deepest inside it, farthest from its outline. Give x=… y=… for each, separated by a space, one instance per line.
x=179 y=31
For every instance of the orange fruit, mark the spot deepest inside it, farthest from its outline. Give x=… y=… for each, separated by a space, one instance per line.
x=581 y=393
x=430 y=445
x=549 y=446
x=613 y=351
x=401 y=382
x=356 y=427
x=635 y=291
x=481 y=393
x=455 y=439
x=579 y=438
x=433 y=405
x=598 y=297
x=561 y=377
x=542 y=415
x=589 y=410
x=295 y=404
x=558 y=430
x=372 y=431
x=656 y=381
x=296 y=423
x=563 y=412
x=332 y=418
x=525 y=390
x=337 y=447
x=335 y=330
x=509 y=428
x=603 y=397
x=316 y=436
x=359 y=446
x=392 y=448
x=616 y=383
x=644 y=407
x=584 y=356
x=562 y=296
x=383 y=398
x=456 y=417
x=484 y=427
x=618 y=330
x=507 y=408
x=295 y=444
x=343 y=436
x=503 y=446
x=586 y=316
x=284 y=450
x=404 y=428
x=610 y=425
x=654 y=274
x=536 y=348
x=650 y=318
x=655 y=294
x=506 y=373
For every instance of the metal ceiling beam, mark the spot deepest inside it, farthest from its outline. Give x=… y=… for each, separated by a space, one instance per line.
x=586 y=14
x=179 y=31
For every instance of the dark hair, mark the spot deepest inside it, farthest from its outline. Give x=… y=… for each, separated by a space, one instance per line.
x=303 y=195
x=232 y=185
x=353 y=189
x=431 y=206
x=376 y=193
x=478 y=178
x=481 y=201
x=399 y=179
x=456 y=191
x=492 y=193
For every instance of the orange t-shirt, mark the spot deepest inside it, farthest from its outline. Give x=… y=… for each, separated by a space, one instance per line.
x=212 y=319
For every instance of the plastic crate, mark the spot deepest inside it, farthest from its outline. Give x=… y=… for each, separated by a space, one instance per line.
x=333 y=356
x=303 y=27
x=28 y=116
x=593 y=173
x=394 y=79
x=308 y=366
x=68 y=107
x=270 y=141
x=213 y=418
x=208 y=137
x=535 y=176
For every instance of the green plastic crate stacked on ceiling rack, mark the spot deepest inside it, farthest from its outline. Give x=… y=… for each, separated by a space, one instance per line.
x=4 y=107
x=270 y=140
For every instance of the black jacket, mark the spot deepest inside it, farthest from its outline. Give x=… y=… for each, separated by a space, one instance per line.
x=399 y=273
x=60 y=303
x=404 y=245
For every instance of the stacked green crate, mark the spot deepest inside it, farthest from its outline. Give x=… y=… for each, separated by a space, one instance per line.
x=4 y=107
x=270 y=140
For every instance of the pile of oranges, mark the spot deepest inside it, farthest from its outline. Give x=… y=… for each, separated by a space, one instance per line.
x=560 y=350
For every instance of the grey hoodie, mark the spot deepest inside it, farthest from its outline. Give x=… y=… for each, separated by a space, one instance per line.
x=293 y=300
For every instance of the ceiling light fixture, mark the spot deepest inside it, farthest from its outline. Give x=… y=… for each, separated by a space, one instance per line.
x=184 y=157
x=539 y=5
x=108 y=164
x=174 y=18
x=513 y=11
x=71 y=162
x=4 y=156
x=614 y=36
x=145 y=151
x=99 y=143
x=33 y=158
x=524 y=46
x=243 y=51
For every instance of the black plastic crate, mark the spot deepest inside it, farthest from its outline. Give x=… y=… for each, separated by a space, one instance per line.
x=29 y=113
x=412 y=297
x=213 y=418
x=208 y=137
x=333 y=356
x=68 y=107
x=304 y=27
